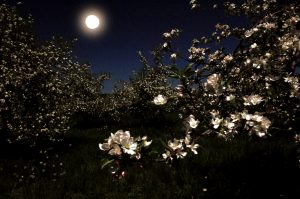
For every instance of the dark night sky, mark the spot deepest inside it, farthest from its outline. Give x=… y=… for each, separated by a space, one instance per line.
x=132 y=25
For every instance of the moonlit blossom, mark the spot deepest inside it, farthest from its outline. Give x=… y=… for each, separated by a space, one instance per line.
x=167 y=155
x=180 y=153
x=297 y=138
x=256 y=123
x=252 y=100
x=190 y=145
x=245 y=115
x=129 y=146
x=213 y=83
x=167 y=35
x=160 y=100
x=146 y=142
x=213 y=80
x=176 y=144
x=265 y=123
x=193 y=147
x=192 y=122
x=112 y=148
x=121 y=140
x=230 y=97
x=228 y=124
x=173 y=56
x=295 y=86
x=260 y=134
x=253 y=45
x=291 y=79
x=227 y=59
x=104 y=146
x=235 y=117
x=177 y=147
x=115 y=150
x=248 y=33
x=216 y=122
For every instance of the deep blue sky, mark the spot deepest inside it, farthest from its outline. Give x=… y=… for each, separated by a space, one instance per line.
x=132 y=25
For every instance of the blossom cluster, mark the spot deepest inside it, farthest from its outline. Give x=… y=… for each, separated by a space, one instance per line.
x=250 y=87
x=121 y=149
x=177 y=149
x=121 y=143
x=227 y=127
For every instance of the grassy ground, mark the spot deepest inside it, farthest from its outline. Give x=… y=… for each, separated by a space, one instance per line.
x=241 y=168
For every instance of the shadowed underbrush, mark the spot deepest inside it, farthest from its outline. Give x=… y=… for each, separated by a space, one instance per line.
x=241 y=168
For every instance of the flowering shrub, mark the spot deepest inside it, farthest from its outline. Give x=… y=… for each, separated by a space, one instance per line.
x=216 y=85
x=122 y=149
x=252 y=90
x=135 y=97
x=41 y=83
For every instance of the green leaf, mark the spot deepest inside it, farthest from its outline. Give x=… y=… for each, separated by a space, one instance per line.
x=175 y=76
x=106 y=162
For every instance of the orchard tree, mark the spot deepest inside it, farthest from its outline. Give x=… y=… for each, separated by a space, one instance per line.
x=255 y=86
x=253 y=90
x=135 y=96
x=41 y=83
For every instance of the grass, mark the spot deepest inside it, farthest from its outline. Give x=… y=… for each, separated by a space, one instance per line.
x=241 y=168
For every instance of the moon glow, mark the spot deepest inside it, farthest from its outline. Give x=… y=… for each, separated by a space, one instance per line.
x=92 y=22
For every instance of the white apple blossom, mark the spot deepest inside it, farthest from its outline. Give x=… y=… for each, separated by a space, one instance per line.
x=112 y=148
x=216 y=122
x=122 y=141
x=128 y=145
x=173 y=56
x=167 y=155
x=176 y=144
x=190 y=145
x=115 y=150
x=230 y=97
x=167 y=35
x=177 y=147
x=160 y=100
x=213 y=80
x=213 y=83
x=229 y=124
x=246 y=116
x=297 y=138
x=192 y=122
x=146 y=143
x=252 y=100
x=254 y=45
x=227 y=59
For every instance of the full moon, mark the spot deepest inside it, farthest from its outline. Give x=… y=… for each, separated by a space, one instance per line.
x=92 y=22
